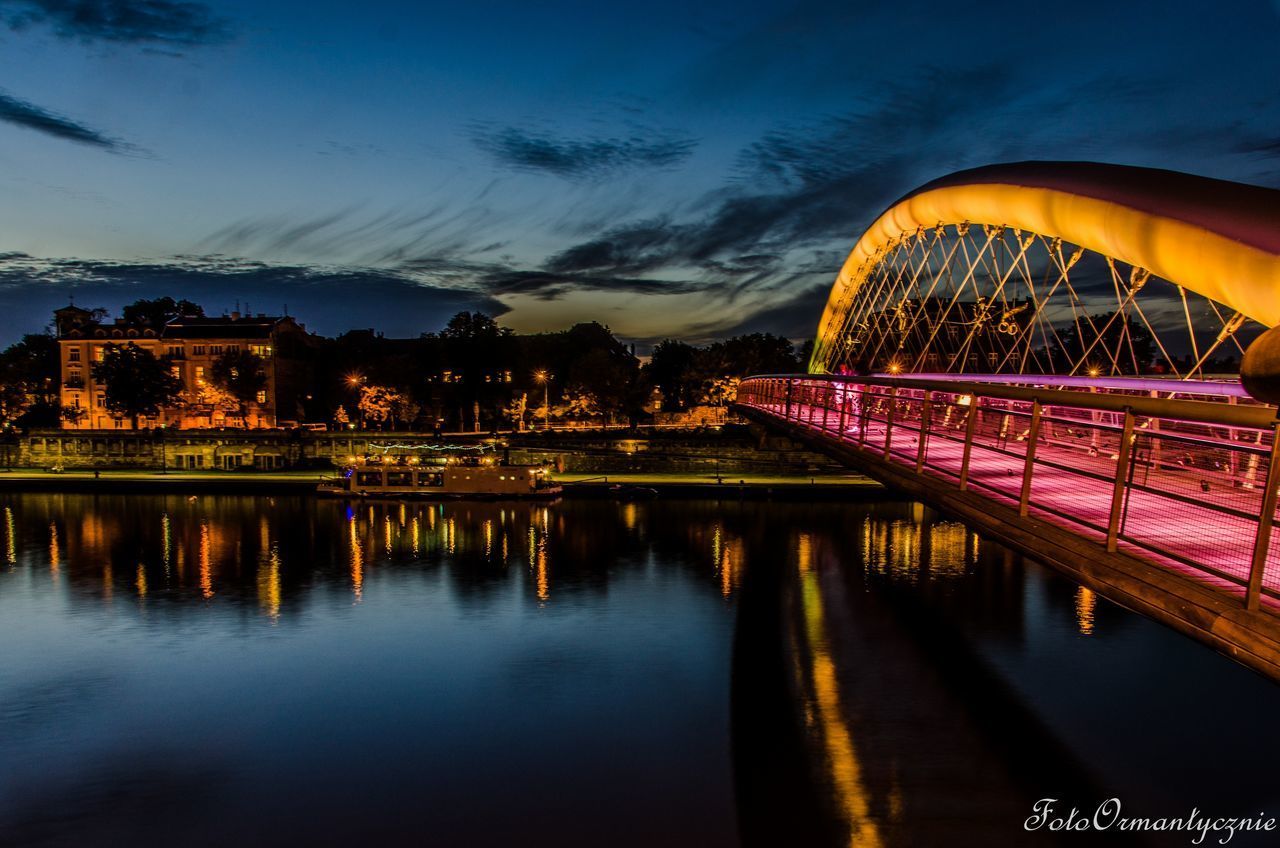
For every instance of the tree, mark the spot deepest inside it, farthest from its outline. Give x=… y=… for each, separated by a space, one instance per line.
x=241 y=375
x=473 y=326
x=1091 y=342
x=160 y=311
x=341 y=418
x=722 y=391
x=385 y=405
x=579 y=405
x=29 y=375
x=516 y=410
x=479 y=356
x=669 y=369
x=135 y=381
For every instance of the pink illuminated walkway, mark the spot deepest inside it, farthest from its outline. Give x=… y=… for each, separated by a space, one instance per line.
x=1198 y=521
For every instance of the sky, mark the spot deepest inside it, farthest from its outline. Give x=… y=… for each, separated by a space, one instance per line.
x=687 y=170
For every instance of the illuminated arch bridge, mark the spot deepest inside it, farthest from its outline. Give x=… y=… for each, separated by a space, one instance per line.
x=1069 y=268
x=1049 y=350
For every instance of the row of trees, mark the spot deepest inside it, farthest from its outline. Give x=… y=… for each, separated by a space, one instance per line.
x=473 y=374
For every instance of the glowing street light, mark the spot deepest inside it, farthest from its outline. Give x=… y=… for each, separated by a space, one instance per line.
x=544 y=378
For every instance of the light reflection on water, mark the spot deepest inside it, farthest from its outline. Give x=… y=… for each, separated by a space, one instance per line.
x=259 y=670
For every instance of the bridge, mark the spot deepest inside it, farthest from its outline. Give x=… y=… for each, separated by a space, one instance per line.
x=1080 y=360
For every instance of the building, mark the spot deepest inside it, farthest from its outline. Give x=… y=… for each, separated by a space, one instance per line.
x=191 y=345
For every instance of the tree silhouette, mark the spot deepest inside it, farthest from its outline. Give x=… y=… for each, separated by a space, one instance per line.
x=160 y=311
x=135 y=381
x=240 y=374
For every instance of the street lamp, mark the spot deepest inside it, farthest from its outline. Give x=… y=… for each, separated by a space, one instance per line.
x=544 y=378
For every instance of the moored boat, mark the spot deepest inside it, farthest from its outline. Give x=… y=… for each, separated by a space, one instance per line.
x=465 y=476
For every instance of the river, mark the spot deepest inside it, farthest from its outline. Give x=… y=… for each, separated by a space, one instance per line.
x=218 y=670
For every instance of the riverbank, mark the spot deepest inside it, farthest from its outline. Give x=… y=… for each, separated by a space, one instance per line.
x=755 y=486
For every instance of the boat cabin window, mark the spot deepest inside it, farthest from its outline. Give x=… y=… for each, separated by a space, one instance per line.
x=399 y=478
x=369 y=478
x=430 y=478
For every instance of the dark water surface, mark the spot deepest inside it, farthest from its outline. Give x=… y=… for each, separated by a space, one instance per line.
x=256 y=671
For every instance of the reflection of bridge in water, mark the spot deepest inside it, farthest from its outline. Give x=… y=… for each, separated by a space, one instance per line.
x=1032 y=347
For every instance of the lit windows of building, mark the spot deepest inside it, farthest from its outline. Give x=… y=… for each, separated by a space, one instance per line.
x=82 y=335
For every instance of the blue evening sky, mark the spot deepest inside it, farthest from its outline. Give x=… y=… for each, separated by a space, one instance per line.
x=670 y=169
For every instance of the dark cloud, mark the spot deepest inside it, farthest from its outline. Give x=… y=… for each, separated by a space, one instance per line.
x=795 y=316
x=549 y=286
x=580 y=159
x=23 y=114
x=328 y=300
x=122 y=21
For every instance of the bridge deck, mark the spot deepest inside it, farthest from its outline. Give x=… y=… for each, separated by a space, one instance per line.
x=1191 y=493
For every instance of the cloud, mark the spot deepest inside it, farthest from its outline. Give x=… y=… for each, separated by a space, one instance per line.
x=23 y=114
x=590 y=158
x=549 y=286
x=329 y=300
x=120 y=21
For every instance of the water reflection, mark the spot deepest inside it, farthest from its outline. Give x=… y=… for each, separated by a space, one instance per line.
x=275 y=549
x=737 y=673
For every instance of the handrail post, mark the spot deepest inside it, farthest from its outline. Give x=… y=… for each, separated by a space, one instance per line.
x=1033 y=436
x=969 y=425
x=926 y=410
x=844 y=410
x=786 y=414
x=1262 y=542
x=864 y=413
x=1123 y=459
x=826 y=405
x=888 y=421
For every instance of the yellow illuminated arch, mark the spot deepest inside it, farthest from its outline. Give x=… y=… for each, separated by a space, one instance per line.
x=1210 y=260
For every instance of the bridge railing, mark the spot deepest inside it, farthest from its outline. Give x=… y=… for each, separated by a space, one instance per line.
x=1188 y=485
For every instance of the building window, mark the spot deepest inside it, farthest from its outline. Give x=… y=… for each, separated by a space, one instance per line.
x=197 y=350
x=260 y=350
x=176 y=370
x=199 y=375
x=175 y=352
x=233 y=348
x=215 y=350
x=262 y=396
x=74 y=355
x=100 y=352
x=100 y=400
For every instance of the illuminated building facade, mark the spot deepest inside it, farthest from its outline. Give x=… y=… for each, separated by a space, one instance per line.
x=191 y=345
